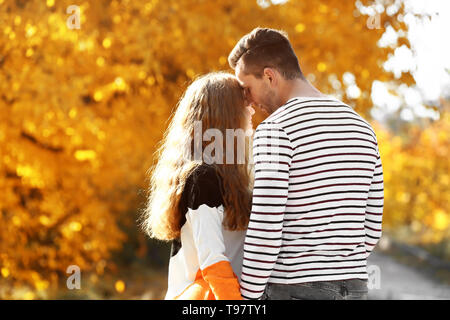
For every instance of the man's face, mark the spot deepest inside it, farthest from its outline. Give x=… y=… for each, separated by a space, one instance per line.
x=258 y=91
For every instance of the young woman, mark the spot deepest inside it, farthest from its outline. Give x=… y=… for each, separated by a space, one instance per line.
x=200 y=199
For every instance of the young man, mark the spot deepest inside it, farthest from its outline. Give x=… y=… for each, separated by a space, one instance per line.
x=318 y=192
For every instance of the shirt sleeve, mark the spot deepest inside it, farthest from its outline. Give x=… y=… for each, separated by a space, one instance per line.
x=205 y=216
x=272 y=155
x=374 y=209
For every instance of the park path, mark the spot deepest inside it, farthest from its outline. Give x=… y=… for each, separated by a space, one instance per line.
x=402 y=282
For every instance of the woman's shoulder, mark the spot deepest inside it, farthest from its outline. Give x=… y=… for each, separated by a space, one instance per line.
x=203 y=186
x=204 y=173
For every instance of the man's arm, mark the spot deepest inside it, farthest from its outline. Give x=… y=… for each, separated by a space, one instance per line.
x=272 y=154
x=374 y=209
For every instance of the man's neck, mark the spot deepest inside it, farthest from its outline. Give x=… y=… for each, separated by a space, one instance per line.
x=300 y=88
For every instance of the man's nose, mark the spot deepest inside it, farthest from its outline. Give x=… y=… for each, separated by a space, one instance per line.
x=248 y=101
x=248 y=97
x=252 y=102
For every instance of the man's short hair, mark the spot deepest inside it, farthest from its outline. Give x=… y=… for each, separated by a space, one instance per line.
x=264 y=47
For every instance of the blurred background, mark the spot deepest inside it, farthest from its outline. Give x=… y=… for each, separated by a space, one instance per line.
x=87 y=89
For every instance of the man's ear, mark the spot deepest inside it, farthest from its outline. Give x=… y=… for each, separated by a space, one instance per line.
x=270 y=75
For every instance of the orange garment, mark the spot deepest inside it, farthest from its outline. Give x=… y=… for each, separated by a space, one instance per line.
x=216 y=282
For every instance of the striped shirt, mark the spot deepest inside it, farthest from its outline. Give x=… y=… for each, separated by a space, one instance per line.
x=317 y=199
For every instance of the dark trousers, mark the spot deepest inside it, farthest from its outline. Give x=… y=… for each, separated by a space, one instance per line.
x=353 y=289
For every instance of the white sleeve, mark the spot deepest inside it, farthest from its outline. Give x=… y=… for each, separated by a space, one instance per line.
x=206 y=224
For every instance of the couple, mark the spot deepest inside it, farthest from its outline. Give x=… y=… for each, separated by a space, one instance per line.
x=302 y=224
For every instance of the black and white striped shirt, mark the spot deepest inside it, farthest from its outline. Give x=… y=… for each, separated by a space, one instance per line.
x=318 y=196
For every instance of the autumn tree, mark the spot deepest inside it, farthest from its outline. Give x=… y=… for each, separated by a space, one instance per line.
x=416 y=178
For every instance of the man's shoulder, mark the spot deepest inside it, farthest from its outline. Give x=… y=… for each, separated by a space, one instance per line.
x=302 y=103
x=305 y=109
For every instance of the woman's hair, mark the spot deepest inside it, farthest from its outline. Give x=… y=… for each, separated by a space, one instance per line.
x=215 y=101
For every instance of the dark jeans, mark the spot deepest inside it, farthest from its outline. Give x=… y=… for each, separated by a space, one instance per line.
x=353 y=289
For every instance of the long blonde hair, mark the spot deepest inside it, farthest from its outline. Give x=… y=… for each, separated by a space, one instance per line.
x=217 y=101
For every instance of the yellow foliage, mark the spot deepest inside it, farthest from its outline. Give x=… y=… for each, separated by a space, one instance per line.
x=416 y=178
x=119 y=286
x=5 y=272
